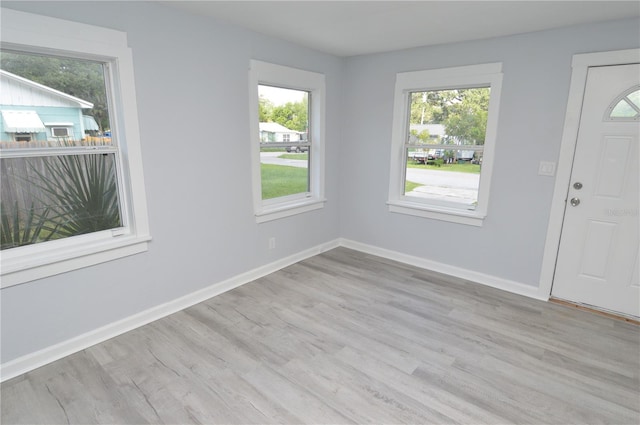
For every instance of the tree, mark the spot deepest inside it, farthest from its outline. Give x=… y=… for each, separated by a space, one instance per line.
x=422 y=137
x=467 y=119
x=265 y=109
x=294 y=116
x=432 y=106
x=421 y=110
x=464 y=112
x=80 y=78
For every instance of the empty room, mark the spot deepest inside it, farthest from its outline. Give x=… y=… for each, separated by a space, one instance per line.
x=319 y=212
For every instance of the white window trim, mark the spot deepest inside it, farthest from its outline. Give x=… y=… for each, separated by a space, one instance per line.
x=67 y=129
x=296 y=79
x=483 y=75
x=40 y=34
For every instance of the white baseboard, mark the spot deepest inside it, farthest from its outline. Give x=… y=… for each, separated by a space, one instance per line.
x=484 y=279
x=55 y=352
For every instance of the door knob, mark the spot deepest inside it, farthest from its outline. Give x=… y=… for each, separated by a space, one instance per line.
x=575 y=202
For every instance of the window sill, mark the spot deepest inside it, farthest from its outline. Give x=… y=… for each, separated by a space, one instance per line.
x=282 y=210
x=471 y=218
x=25 y=265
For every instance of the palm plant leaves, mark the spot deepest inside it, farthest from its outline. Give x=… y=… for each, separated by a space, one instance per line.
x=18 y=231
x=82 y=192
x=80 y=196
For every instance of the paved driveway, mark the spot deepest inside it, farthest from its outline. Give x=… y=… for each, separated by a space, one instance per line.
x=445 y=185
x=272 y=158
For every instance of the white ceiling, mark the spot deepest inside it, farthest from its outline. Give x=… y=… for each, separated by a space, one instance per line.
x=349 y=28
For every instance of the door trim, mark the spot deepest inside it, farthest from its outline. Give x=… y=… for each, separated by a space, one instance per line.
x=580 y=65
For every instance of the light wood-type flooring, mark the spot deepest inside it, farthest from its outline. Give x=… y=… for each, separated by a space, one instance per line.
x=344 y=338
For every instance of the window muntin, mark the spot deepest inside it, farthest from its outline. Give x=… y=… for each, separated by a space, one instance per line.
x=444 y=130
x=625 y=107
x=118 y=146
x=287 y=131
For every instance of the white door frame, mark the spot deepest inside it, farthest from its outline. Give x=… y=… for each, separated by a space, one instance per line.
x=580 y=66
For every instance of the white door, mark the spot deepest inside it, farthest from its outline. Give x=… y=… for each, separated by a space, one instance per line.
x=597 y=260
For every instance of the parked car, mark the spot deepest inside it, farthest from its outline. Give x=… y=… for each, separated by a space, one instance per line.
x=422 y=157
x=297 y=149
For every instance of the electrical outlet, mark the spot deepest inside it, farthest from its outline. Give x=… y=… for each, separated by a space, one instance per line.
x=547 y=168
x=272 y=243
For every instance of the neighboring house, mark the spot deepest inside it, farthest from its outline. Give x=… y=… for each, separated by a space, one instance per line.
x=90 y=125
x=34 y=112
x=274 y=132
x=437 y=134
x=436 y=131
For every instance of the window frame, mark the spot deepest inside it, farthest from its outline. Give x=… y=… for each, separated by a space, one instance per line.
x=265 y=73
x=471 y=76
x=623 y=97
x=17 y=136
x=66 y=129
x=31 y=33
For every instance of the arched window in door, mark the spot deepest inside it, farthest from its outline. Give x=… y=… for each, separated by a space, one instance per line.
x=625 y=107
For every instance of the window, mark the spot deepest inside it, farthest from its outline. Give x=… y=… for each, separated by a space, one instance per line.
x=444 y=127
x=60 y=131
x=69 y=199
x=626 y=107
x=287 y=140
x=22 y=137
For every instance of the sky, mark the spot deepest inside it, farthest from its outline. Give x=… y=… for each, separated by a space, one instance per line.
x=280 y=96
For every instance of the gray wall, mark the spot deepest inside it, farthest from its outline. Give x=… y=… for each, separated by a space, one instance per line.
x=537 y=72
x=191 y=82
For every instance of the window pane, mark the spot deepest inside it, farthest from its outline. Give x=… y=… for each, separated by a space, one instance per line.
x=283 y=173
x=54 y=197
x=52 y=102
x=60 y=132
x=623 y=110
x=442 y=179
x=635 y=98
x=444 y=145
x=284 y=141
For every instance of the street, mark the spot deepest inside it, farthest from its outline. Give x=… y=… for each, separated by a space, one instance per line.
x=444 y=185
x=437 y=184
x=272 y=158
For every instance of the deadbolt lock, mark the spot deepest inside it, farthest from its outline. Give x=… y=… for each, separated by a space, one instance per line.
x=577 y=185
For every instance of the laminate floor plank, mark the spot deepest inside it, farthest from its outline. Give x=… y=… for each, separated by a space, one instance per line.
x=347 y=338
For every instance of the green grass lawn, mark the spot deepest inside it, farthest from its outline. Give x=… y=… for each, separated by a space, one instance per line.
x=409 y=186
x=461 y=168
x=303 y=156
x=282 y=180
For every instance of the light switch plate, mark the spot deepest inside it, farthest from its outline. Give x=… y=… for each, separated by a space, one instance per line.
x=547 y=168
